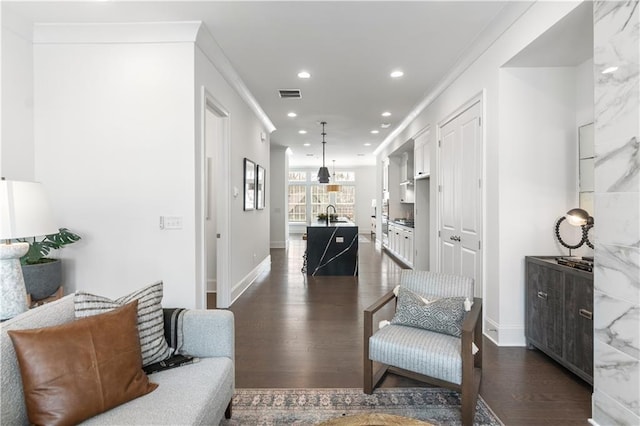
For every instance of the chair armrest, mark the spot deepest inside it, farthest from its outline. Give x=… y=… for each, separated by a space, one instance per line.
x=380 y=303
x=209 y=333
x=471 y=319
x=471 y=333
x=375 y=307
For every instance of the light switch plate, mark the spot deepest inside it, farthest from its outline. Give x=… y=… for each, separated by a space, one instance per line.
x=170 y=222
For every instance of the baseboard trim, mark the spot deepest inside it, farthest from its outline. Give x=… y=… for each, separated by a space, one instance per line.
x=245 y=283
x=278 y=244
x=504 y=335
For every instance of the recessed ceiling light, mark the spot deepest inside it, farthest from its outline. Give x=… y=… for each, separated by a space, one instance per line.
x=386 y=114
x=302 y=132
x=385 y=125
x=307 y=144
x=292 y=114
x=375 y=132
x=304 y=74
x=609 y=70
x=367 y=144
x=396 y=74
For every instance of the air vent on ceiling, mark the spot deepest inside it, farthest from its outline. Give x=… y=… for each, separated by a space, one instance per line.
x=290 y=93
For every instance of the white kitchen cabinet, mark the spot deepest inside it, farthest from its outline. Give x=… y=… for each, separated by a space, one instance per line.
x=422 y=156
x=408 y=246
x=401 y=243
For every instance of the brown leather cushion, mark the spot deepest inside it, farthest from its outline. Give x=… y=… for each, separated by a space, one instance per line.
x=76 y=370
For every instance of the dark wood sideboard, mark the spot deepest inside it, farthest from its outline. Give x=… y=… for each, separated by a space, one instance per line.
x=559 y=313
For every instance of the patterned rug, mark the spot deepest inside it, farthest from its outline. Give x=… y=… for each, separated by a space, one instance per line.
x=311 y=406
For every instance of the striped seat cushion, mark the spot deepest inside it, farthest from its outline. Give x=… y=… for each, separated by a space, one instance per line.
x=421 y=351
x=153 y=345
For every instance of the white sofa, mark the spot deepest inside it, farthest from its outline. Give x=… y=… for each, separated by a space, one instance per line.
x=194 y=394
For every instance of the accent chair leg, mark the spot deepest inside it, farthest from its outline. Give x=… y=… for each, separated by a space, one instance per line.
x=228 y=411
x=469 y=398
x=368 y=376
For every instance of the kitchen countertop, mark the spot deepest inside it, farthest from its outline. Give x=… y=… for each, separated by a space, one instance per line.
x=402 y=222
x=341 y=222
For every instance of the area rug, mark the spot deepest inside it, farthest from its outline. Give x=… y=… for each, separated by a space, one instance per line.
x=312 y=406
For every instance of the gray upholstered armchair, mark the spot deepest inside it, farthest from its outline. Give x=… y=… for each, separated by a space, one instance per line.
x=433 y=357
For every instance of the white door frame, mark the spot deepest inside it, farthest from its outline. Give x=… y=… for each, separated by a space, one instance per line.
x=478 y=98
x=221 y=175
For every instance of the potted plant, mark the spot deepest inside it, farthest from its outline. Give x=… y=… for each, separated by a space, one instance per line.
x=323 y=217
x=43 y=275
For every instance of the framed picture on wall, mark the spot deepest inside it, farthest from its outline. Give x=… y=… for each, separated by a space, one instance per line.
x=249 y=184
x=260 y=188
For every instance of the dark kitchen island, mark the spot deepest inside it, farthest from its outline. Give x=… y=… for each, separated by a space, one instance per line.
x=333 y=249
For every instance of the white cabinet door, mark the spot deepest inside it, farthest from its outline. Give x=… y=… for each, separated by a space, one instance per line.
x=409 y=247
x=461 y=195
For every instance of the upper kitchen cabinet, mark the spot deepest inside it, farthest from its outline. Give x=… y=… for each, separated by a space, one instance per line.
x=422 y=156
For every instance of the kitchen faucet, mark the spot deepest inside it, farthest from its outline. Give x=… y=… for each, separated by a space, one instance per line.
x=334 y=212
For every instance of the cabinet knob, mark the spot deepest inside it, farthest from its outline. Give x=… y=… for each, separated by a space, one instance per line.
x=586 y=314
x=542 y=295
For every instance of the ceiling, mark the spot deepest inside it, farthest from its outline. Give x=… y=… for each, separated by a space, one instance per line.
x=350 y=49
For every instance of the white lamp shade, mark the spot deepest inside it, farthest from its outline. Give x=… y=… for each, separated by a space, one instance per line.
x=24 y=210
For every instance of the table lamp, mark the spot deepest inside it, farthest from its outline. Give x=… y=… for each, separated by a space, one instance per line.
x=576 y=217
x=24 y=212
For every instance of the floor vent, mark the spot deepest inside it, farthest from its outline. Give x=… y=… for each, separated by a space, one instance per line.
x=290 y=93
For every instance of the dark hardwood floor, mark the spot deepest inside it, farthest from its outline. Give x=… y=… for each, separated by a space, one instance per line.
x=294 y=331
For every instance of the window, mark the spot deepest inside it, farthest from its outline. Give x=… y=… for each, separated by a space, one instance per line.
x=297 y=176
x=319 y=199
x=297 y=203
x=308 y=198
x=346 y=201
x=344 y=176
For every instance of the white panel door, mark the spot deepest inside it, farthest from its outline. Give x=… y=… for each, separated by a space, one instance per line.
x=460 y=189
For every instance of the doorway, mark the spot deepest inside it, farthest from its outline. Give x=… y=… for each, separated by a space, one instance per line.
x=460 y=193
x=215 y=211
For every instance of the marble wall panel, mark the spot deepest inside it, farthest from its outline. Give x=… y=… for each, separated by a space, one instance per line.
x=616 y=217
x=617 y=213
x=617 y=94
x=617 y=323
x=609 y=412
x=618 y=375
x=616 y=272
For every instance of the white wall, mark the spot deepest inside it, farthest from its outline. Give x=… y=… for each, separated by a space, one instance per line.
x=249 y=230
x=117 y=143
x=483 y=76
x=537 y=177
x=365 y=192
x=16 y=136
x=114 y=134
x=278 y=198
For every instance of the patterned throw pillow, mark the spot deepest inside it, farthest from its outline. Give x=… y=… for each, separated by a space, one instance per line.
x=443 y=315
x=150 y=318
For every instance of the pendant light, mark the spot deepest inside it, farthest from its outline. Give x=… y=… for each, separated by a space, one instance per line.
x=323 y=173
x=333 y=187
